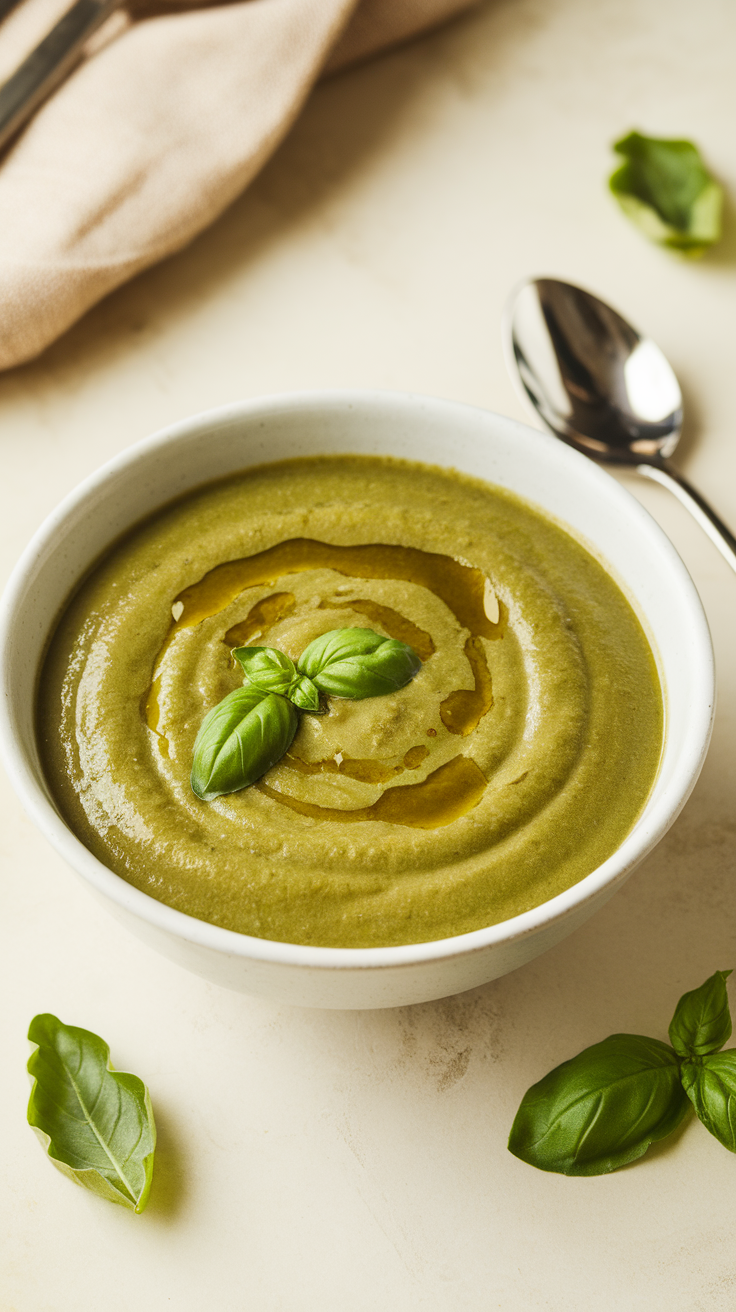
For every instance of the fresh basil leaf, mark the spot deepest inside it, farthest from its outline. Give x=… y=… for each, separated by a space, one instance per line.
x=240 y=739
x=666 y=190
x=710 y=1084
x=95 y=1123
x=271 y=670
x=358 y=663
x=267 y=668
x=338 y=645
x=602 y=1109
x=702 y=1020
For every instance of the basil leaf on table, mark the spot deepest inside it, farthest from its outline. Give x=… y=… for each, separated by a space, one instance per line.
x=95 y=1123
x=710 y=1084
x=665 y=189
x=358 y=663
x=271 y=670
x=601 y=1110
x=240 y=739
x=702 y=1020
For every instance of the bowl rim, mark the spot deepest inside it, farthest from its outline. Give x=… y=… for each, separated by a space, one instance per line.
x=641 y=839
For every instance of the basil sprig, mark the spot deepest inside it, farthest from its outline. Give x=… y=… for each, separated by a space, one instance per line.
x=271 y=670
x=665 y=189
x=605 y=1107
x=251 y=729
x=95 y=1123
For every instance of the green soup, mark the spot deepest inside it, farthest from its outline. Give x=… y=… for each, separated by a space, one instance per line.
x=513 y=764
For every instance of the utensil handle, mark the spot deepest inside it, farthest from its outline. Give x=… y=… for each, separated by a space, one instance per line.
x=709 y=521
x=50 y=62
x=6 y=7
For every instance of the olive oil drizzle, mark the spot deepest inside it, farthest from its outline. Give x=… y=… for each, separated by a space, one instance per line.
x=368 y=771
x=447 y=792
x=444 y=796
x=261 y=618
x=463 y=710
x=463 y=588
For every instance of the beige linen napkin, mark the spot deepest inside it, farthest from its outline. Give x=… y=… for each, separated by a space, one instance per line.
x=154 y=135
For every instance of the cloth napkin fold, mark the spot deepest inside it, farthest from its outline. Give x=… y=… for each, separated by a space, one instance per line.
x=155 y=134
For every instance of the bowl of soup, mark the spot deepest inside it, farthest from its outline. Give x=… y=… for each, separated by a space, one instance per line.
x=403 y=846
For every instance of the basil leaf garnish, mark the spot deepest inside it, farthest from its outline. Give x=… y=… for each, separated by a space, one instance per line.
x=252 y=728
x=702 y=1020
x=304 y=694
x=358 y=663
x=271 y=670
x=267 y=668
x=602 y=1109
x=666 y=190
x=95 y=1123
x=710 y=1084
x=240 y=739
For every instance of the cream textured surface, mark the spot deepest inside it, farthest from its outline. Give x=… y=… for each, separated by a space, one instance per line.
x=344 y=1162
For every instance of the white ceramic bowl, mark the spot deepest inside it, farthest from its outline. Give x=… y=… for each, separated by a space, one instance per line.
x=599 y=512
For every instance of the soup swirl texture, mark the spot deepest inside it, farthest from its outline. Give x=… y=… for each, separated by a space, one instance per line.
x=512 y=765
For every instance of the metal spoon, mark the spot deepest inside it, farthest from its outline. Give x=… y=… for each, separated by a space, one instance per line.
x=601 y=387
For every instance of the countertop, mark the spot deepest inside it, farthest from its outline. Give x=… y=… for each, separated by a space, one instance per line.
x=336 y=1161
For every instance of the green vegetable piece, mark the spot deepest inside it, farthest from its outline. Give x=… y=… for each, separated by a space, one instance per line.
x=358 y=663
x=240 y=739
x=710 y=1084
x=666 y=190
x=702 y=1020
x=95 y=1123
x=270 y=670
x=601 y=1110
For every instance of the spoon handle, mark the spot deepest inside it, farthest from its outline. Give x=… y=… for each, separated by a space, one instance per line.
x=706 y=516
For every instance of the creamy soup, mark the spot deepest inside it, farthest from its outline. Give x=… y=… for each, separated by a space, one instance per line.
x=512 y=765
